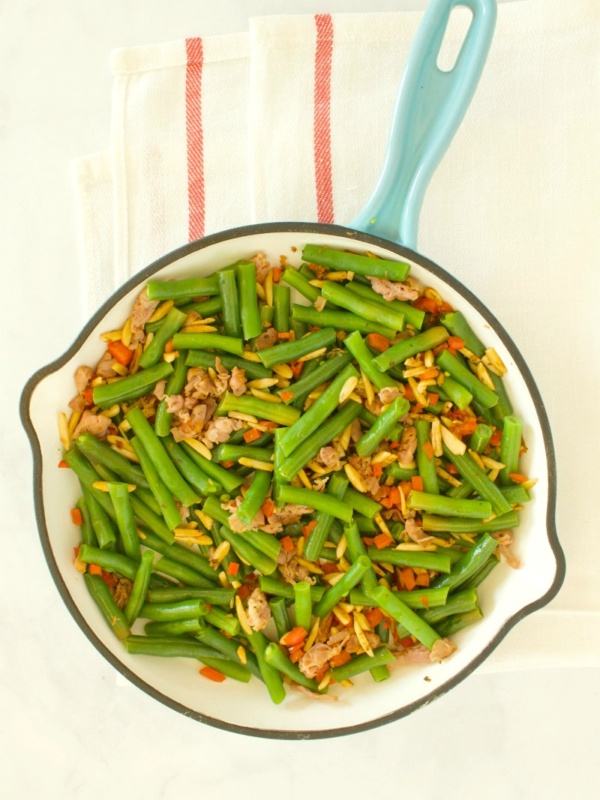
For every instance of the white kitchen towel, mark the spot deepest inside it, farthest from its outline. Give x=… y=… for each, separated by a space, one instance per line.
x=512 y=210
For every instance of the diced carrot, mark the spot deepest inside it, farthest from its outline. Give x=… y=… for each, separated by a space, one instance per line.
x=285 y=396
x=244 y=591
x=296 y=654
x=377 y=470
x=378 y=342
x=288 y=544
x=109 y=579
x=408 y=393
x=405 y=487
x=455 y=342
x=465 y=428
x=417 y=408
x=294 y=637
x=227 y=464
x=276 y=274
x=407 y=641
x=328 y=567
x=120 y=352
x=296 y=367
x=430 y=373
x=252 y=435
x=94 y=569
x=306 y=529
x=386 y=623
x=374 y=616
x=517 y=477
x=451 y=469
x=340 y=658
x=88 y=396
x=496 y=438
x=445 y=308
x=425 y=304
x=423 y=579
x=233 y=568
x=268 y=507
x=267 y=423
x=392 y=499
x=408 y=579
x=428 y=450
x=382 y=540
x=369 y=541
x=432 y=398
x=284 y=335
x=437 y=350
x=76 y=552
x=417 y=483
x=76 y=516
x=212 y=674
x=62 y=464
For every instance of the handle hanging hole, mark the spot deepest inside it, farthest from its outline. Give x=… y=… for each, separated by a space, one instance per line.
x=458 y=26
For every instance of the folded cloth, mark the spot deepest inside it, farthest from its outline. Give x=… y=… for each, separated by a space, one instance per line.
x=291 y=121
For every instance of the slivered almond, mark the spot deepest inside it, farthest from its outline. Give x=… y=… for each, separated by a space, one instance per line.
x=310 y=566
x=128 y=454
x=341 y=547
x=436 y=438
x=102 y=486
x=207 y=521
x=347 y=389
x=452 y=442
x=241 y=654
x=63 y=430
x=126 y=333
x=362 y=639
x=484 y=376
x=491 y=464
x=112 y=411
x=269 y=398
x=111 y=336
x=243 y=417
x=380 y=522
x=337 y=276
x=254 y=463
x=304 y=479
x=120 y=369
x=315 y=354
x=260 y=291
x=262 y=383
x=384 y=458
x=355 y=478
x=250 y=356
x=219 y=554
x=199 y=448
x=342 y=615
x=494 y=363
x=241 y=614
x=312 y=635
x=283 y=370
x=268 y=285
x=161 y=311
x=199 y=327
x=362 y=621
x=368 y=387
x=73 y=420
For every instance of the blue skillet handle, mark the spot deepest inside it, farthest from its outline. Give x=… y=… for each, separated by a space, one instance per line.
x=430 y=107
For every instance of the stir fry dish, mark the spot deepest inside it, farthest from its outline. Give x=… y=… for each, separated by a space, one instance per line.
x=294 y=492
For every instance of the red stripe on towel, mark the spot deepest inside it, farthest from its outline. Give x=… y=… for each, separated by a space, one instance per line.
x=195 y=137
x=322 y=118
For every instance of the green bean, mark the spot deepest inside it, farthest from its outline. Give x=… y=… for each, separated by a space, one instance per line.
x=265 y=542
x=450 y=506
x=247 y=552
x=458 y=326
x=168 y=612
x=233 y=452
x=111 y=612
x=144 y=495
x=139 y=590
x=170 y=325
x=270 y=674
x=336 y=487
x=480 y=438
x=226 y=478
x=281 y=304
x=309 y=448
x=175 y=385
x=213 y=509
x=230 y=302
x=108 y=560
x=298 y=282
x=394 y=434
x=159 y=457
x=361 y=503
x=150 y=520
x=456 y=392
x=279 y=661
x=169 y=647
x=189 y=469
x=197 y=358
x=255 y=497
x=228 y=647
x=449 y=363
x=381 y=656
x=456 y=622
x=216 y=596
x=413 y=316
x=316 y=415
x=510 y=447
x=292 y=351
x=425 y=463
x=310 y=380
x=162 y=494
x=340 y=260
x=263 y=409
x=224 y=620
x=357 y=347
x=405 y=616
x=458 y=603
x=516 y=494
x=373 y=312
x=340 y=320
x=204 y=308
x=280 y=615
x=503 y=407
x=335 y=593
x=119 y=494
x=102 y=452
x=357 y=548
x=182 y=572
x=132 y=386
x=369 y=441
x=468 y=564
x=440 y=562
x=398 y=353
x=251 y=321
x=182 y=555
x=317 y=500
x=436 y=524
x=102 y=526
x=399 y=473
x=478 y=577
x=238 y=672
x=86 y=529
x=303 y=604
x=278 y=588
x=178 y=627
x=474 y=475
x=208 y=341
x=182 y=289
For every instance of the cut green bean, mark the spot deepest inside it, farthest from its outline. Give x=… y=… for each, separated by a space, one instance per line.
x=233 y=452
x=226 y=478
x=281 y=304
x=208 y=341
x=336 y=488
x=169 y=327
x=188 y=468
x=169 y=612
x=255 y=496
x=198 y=358
x=450 y=364
x=362 y=663
x=230 y=303
x=280 y=615
x=468 y=564
x=111 y=612
x=270 y=674
x=237 y=672
x=440 y=562
x=108 y=560
x=480 y=438
x=449 y=506
x=330 y=367
x=335 y=593
x=456 y=392
x=278 y=588
x=204 y=308
x=178 y=627
x=370 y=311
x=100 y=451
x=303 y=604
x=263 y=409
x=250 y=314
x=300 y=283
x=370 y=440
x=405 y=616
x=317 y=500
x=119 y=494
x=162 y=494
x=175 y=385
x=292 y=351
x=357 y=548
x=510 y=447
x=132 y=386
x=229 y=647
x=413 y=316
x=86 y=529
x=102 y=526
x=458 y=326
x=224 y=620
x=437 y=524
x=279 y=661
x=247 y=552
x=139 y=590
x=182 y=572
x=398 y=353
x=170 y=647
x=340 y=260
x=357 y=347
x=181 y=554
x=477 y=478
x=216 y=596
x=188 y=288
x=361 y=503
x=426 y=462
x=340 y=320
x=503 y=407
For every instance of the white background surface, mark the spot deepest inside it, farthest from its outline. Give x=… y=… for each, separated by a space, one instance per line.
x=69 y=729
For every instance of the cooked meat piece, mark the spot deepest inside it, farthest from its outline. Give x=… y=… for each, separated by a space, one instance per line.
x=258 y=610
x=104 y=368
x=416 y=532
x=354 y=646
x=96 y=424
x=330 y=458
x=290 y=568
x=159 y=390
x=388 y=394
x=237 y=382
x=393 y=290
x=140 y=314
x=122 y=591
x=418 y=654
x=219 y=430
x=442 y=649
x=313 y=661
x=504 y=539
x=175 y=403
x=408 y=445
x=266 y=339
x=83 y=375
x=262 y=266
x=328 y=698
